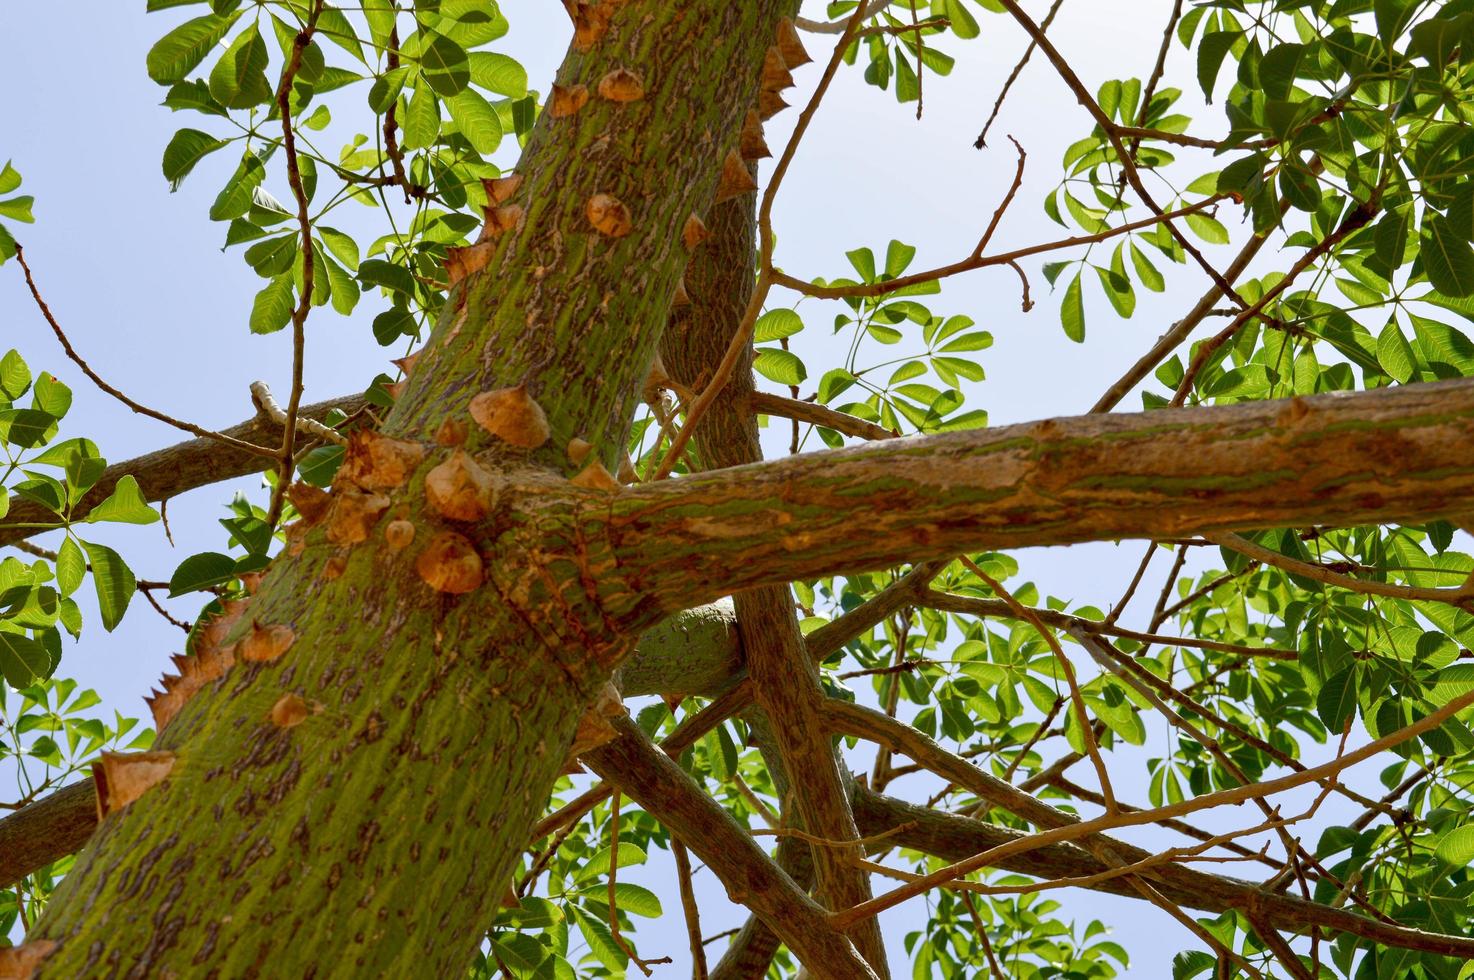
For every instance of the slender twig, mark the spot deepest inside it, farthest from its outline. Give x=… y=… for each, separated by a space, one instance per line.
x=691 y=910
x=1018 y=68
x=1224 y=797
x=304 y=302
x=66 y=345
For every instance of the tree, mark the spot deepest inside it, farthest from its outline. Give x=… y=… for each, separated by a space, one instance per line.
x=447 y=596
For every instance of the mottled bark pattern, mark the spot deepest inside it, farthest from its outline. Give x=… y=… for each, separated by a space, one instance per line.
x=374 y=838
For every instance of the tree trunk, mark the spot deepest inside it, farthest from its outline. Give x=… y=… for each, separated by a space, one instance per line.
x=375 y=836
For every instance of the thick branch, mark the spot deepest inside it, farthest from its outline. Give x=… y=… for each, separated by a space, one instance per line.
x=1386 y=456
x=649 y=777
x=169 y=472
x=46 y=830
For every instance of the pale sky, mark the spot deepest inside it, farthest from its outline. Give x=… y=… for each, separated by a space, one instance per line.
x=137 y=277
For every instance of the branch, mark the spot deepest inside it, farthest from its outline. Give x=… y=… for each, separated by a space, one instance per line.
x=649 y=777
x=170 y=472
x=1385 y=456
x=955 y=838
x=791 y=408
x=1460 y=595
x=220 y=437
x=46 y=830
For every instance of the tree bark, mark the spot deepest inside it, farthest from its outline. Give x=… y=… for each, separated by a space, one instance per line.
x=1398 y=455
x=375 y=837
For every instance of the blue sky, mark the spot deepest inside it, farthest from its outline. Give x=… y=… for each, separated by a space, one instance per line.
x=137 y=276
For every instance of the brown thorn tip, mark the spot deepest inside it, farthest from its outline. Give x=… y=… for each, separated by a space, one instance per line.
x=621 y=85
x=450 y=563
x=609 y=216
x=595 y=477
x=506 y=218
x=769 y=104
x=122 y=777
x=695 y=232
x=682 y=298
x=399 y=534
x=512 y=416
x=462 y=261
x=267 y=643
x=452 y=432
x=406 y=364
x=751 y=143
x=289 y=711
x=776 y=75
x=460 y=488
x=578 y=450
x=20 y=962
x=735 y=179
x=567 y=100
x=499 y=190
x=790 y=45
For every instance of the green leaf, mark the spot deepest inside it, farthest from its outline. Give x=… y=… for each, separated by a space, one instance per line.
x=1456 y=847
x=775 y=325
x=124 y=506
x=18 y=209
x=477 y=121
x=445 y=66
x=421 y=119
x=15 y=376
x=1072 y=311
x=71 y=567
x=201 y=571
x=898 y=256
x=234 y=200
x=636 y=900
x=10 y=178
x=187 y=148
x=272 y=308
x=1210 y=230
x=1336 y=703
x=180 y=51
x=23 y=661
x=1447 y=258
x=781 y=366
x=1394 y=353
x=51 y=396
x=239 y=78
x=114 y=581
x=342 y=246
x=498 y=73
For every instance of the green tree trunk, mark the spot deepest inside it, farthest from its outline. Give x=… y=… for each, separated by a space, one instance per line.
x=375 y=837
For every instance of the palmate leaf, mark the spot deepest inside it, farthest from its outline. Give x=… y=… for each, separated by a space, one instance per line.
x=23 y=661
x=180 y=51
x=114 y=581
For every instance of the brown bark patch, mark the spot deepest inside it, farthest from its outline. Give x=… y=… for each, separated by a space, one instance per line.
x=502 y=219
x=20 y=962
x=122 y=777
x=399 y=534
x=512 y=416
x=377 y=462
x=609 y=216
x=578 y=450
x=567 y=100
x=751 y=143
x=694 y=233
x=452 y=432
x=595 y=477
x=735 y=179
x=353 y=514
x=289 y=711
x=311 y=502
x=681 y=297
x=790 y=45
x=267 y=643
x=499 y=190
x=621 y=85
x=460 y=488
x=594 y=726
x=450 y=563
x=776 y=75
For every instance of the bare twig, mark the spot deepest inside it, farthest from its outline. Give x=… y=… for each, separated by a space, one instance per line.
x=66 y=345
